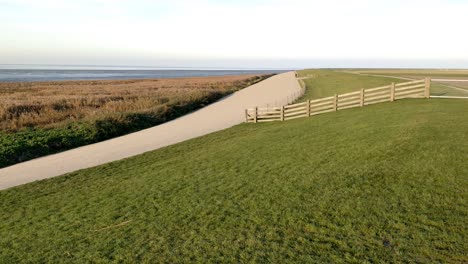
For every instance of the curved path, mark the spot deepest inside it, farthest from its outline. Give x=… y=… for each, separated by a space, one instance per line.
x=223 y=114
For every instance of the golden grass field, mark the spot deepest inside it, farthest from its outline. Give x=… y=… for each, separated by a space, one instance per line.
x=49 y=104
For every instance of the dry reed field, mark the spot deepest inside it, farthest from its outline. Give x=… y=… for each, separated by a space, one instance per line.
x=48 y=104
x=41 y=118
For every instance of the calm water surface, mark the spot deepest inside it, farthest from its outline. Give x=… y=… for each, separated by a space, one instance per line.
x=29 y=75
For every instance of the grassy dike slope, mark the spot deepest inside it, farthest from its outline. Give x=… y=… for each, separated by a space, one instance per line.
x=384 y=183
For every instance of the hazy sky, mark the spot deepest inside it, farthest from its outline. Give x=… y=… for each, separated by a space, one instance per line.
x=242 y=33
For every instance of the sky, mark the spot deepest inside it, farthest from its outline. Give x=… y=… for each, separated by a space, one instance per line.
x=236 y=33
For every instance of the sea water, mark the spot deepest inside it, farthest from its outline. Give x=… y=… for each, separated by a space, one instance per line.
x=9 y=73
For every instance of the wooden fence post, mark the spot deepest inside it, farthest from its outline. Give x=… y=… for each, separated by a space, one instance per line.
x=255 y=117
x=282 y=113
x=335 y=103
x=246 y=115
x=361 y=103
x=427 y=90
x=308 y=107
x=392 y=92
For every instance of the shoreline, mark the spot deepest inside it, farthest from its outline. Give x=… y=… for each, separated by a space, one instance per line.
x=133 y=80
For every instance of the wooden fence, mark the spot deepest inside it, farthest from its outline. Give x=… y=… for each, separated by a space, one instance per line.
x=389 y=93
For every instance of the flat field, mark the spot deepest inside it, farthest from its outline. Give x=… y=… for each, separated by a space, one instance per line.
x=325 y=83
x=450 y=88
x=434 y=73
x=50 y=104
x=459 y=84
x=387 y=183
x=40 y=118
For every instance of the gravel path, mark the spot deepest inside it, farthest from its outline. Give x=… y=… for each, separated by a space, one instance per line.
x=217 y=116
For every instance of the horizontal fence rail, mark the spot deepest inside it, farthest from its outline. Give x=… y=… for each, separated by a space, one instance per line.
x=389 y=93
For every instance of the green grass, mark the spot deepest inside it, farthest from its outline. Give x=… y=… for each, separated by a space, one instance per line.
x=415 y=72
x=445 y=90
x=436 y=88
x=379 y=184
x=325 y=83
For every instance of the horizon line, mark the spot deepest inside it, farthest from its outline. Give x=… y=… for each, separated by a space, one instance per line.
x=129 y=67
x=193 y=68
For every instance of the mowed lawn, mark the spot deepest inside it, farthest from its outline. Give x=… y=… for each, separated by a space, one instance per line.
x=438 y=88
x=325 y=83
x=379 y=184
x=446 y=73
